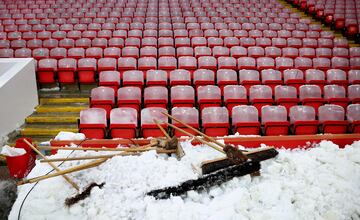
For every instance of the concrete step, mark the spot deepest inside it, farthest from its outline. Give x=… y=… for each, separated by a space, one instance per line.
x=46 y=129
x=55 y=118
x=74 y=107
x=48 y=101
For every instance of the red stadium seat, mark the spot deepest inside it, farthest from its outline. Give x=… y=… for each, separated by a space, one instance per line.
x=110 y=79
x=123 y=122
x=302 y=119
x=271 y=78
x=215 y=121
x=156 y=96
x=156 y=78
x=182 y=96
x=274 y=119
x=204 y=77
x=189 y=116
x=102 y=97
x=332 y=119
x=286 y=96
x=311 y=95
x=133 y=78
x=245 y=120
x=67 y=68
x=260 y=95
x=86 y=70
x=353 y=117
x=208 y=96
x=129 y=97
x=234 y=95
x=148 y=126
x=180 y=77
x=47 y=69
x=93 y=123
x=335 y=94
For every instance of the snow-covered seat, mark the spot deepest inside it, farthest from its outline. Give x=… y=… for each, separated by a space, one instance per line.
x=148 y=126
x=353 y=117
x=274 y=119
x=129 y=96
x=102 y=97
x=302 y=119
x=215 y=121
x=188 y=115
x=245 y=120
x=332 y=119
x=156 y=96
x=93 y=123
x=182 y=96
x=123 y=122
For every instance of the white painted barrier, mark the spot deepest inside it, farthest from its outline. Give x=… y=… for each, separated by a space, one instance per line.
x=18 y=92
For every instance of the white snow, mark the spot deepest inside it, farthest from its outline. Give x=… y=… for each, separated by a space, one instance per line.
x=12 y=151
x=317 y=183
x=69 y=136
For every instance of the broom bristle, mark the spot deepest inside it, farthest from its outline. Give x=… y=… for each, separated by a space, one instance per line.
x=83 y=195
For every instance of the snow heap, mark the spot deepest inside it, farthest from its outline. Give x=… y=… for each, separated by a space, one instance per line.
x=318 y=183
x=69 y=136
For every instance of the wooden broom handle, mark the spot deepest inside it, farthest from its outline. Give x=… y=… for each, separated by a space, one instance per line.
x=210 y=144
x=70 y=170
x=195 y=130
x=52 y=165
x=134 y=149
x=162 y=129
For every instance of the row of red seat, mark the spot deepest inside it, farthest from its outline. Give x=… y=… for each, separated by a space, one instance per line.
x=341 y=14
x=232 y=95
x=215 y=121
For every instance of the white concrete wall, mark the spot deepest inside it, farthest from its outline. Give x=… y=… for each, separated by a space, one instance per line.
x=18 y=92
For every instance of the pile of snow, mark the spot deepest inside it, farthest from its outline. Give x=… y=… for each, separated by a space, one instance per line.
x=318 y=183
x=12 y=151
x=69 y=136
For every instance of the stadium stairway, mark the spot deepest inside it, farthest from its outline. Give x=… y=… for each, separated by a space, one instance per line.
x=57 y=111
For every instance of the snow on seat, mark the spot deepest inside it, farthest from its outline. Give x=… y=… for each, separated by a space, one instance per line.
x=203 y=77
x=22 y=53
x=245 y=120
x=354 y=94
x=126 y=63
x=227 y=63
x=354 y=76
x=249 y=78
x=93 y=123
x=237 y=52
x=58 y=53
x=302 y=119
x=76 y=53
x=129 y=96
x=112 y=52
x=271 y=78
x=215 y=121
x=246 y=63
x=335 y=94
x=207 y=62
x=180 y=77
x=86 y=70
x=316 y=77
x=294 y=77
x=39 y=53
x=148 y=126
x=67 y=68
x=353 y=117
x=147 y=63
x=102 y=97
x=188 y=115
x=123 y=122
x=208 y=96
x=337 y=76
x=107 y=64
x=286 y=96
x=167 y=63
x=133 y=78
x=226 y=77
x=265 y=63
x=156 y=96
x=332 y=119
x=110 y=79
x=201 y=51
x=234 y=95
x=46 y=71
x=260 y=95
x=182 y=96
x=311 y=95
x=188 y=63
x=274 y=119
x=156 y=78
